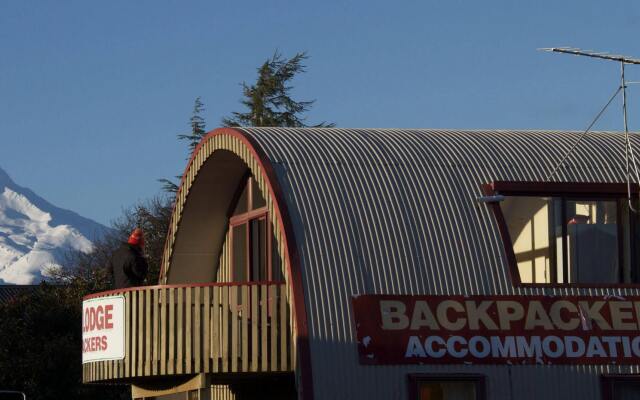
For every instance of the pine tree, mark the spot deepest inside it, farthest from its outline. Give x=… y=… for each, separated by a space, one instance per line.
x=269 y=101
x=168 y=185
x=198 y=131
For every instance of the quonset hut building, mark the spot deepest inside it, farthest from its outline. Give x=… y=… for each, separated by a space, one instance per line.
x=386 y=264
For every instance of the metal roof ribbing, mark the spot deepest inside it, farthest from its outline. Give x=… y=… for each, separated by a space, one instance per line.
x=9 y=292
x=395 y=211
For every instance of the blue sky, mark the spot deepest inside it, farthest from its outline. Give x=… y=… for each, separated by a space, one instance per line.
x=93 y=94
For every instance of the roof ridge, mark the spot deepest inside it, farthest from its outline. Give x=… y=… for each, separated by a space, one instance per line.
x=433 y=130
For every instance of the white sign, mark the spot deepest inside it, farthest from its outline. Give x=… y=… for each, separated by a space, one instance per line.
x=103 y=329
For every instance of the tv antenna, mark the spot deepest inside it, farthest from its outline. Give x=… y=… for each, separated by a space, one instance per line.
x=629 y=156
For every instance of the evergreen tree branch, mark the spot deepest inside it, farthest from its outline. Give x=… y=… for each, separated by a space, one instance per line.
x=268 y=101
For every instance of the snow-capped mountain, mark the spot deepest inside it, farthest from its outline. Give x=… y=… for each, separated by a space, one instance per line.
x=36 y=235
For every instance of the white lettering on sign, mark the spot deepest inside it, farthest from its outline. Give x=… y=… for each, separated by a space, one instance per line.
x=523 y=347
x=103 y=329
x=495 y=329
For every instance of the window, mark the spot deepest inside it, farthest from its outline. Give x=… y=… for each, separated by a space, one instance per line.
x=254 y=256
x=571 y=237
x=621 y=387
x=452 y=387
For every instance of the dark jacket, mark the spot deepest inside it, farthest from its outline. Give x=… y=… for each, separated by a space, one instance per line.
x=129 y=266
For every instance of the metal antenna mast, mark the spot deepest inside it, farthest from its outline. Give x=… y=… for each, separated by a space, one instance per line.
x=628 y=151
x=589 y=53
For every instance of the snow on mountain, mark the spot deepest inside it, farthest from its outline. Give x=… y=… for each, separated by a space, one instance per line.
x=36 y=235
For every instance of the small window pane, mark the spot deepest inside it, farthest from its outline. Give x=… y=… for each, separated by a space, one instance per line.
x=446 y=390
x=528 y=223
x=241 y=206
x=258 y=250
x=239 y=262
x=276 y=266
x=592 y=241
x=258 y=200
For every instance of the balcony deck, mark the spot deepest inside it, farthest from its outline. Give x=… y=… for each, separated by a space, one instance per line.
x=220 y=328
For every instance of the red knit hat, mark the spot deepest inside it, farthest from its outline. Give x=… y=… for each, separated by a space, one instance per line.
x=136 y=238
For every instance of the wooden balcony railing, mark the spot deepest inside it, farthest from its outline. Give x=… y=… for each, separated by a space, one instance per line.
x=214 y=328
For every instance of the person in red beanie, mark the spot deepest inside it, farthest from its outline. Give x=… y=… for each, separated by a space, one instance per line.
x=128 y=262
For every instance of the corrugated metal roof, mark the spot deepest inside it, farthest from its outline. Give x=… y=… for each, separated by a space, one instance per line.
x=395 y=211
x=8 y=292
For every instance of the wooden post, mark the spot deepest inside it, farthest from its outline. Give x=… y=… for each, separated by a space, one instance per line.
x=133 y=336
x=197 y=329
x=206 y=339
x=156 y=338
x=254 y=328
x=127 y=328
x=216 y=329
x=245 y=328
x=273 y=322
x=180 y=330
x=264 y=364
x=163 y=331
x=225 y=328
x=233 y=304
x=147 y=332
x=172 y=332
x=188 y=332
x=284 y=327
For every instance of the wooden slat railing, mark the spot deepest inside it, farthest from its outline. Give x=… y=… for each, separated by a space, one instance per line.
x=217 y=328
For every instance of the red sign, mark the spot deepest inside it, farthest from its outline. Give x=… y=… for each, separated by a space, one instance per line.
x=497 y=329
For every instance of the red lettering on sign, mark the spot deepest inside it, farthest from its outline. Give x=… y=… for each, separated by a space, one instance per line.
x=96 y=343
x=98 y=318
x=108 y=316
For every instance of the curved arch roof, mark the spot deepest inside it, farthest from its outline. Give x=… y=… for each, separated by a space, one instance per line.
x=395 y=211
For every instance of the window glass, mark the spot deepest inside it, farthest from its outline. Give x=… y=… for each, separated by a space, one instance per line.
x=258 y=250
x=446 y=390
x=571 y=240
x=249 y=232
x=241 y=206
x=239 y=263
x=258 y=200
x=625 y=390
x=276 y=266
x=528 y=220
x=592 y=241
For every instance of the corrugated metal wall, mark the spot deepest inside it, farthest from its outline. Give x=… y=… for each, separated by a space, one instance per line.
x=395 y=211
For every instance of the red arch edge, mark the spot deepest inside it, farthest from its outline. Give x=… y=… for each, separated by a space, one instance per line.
x=291 y=249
